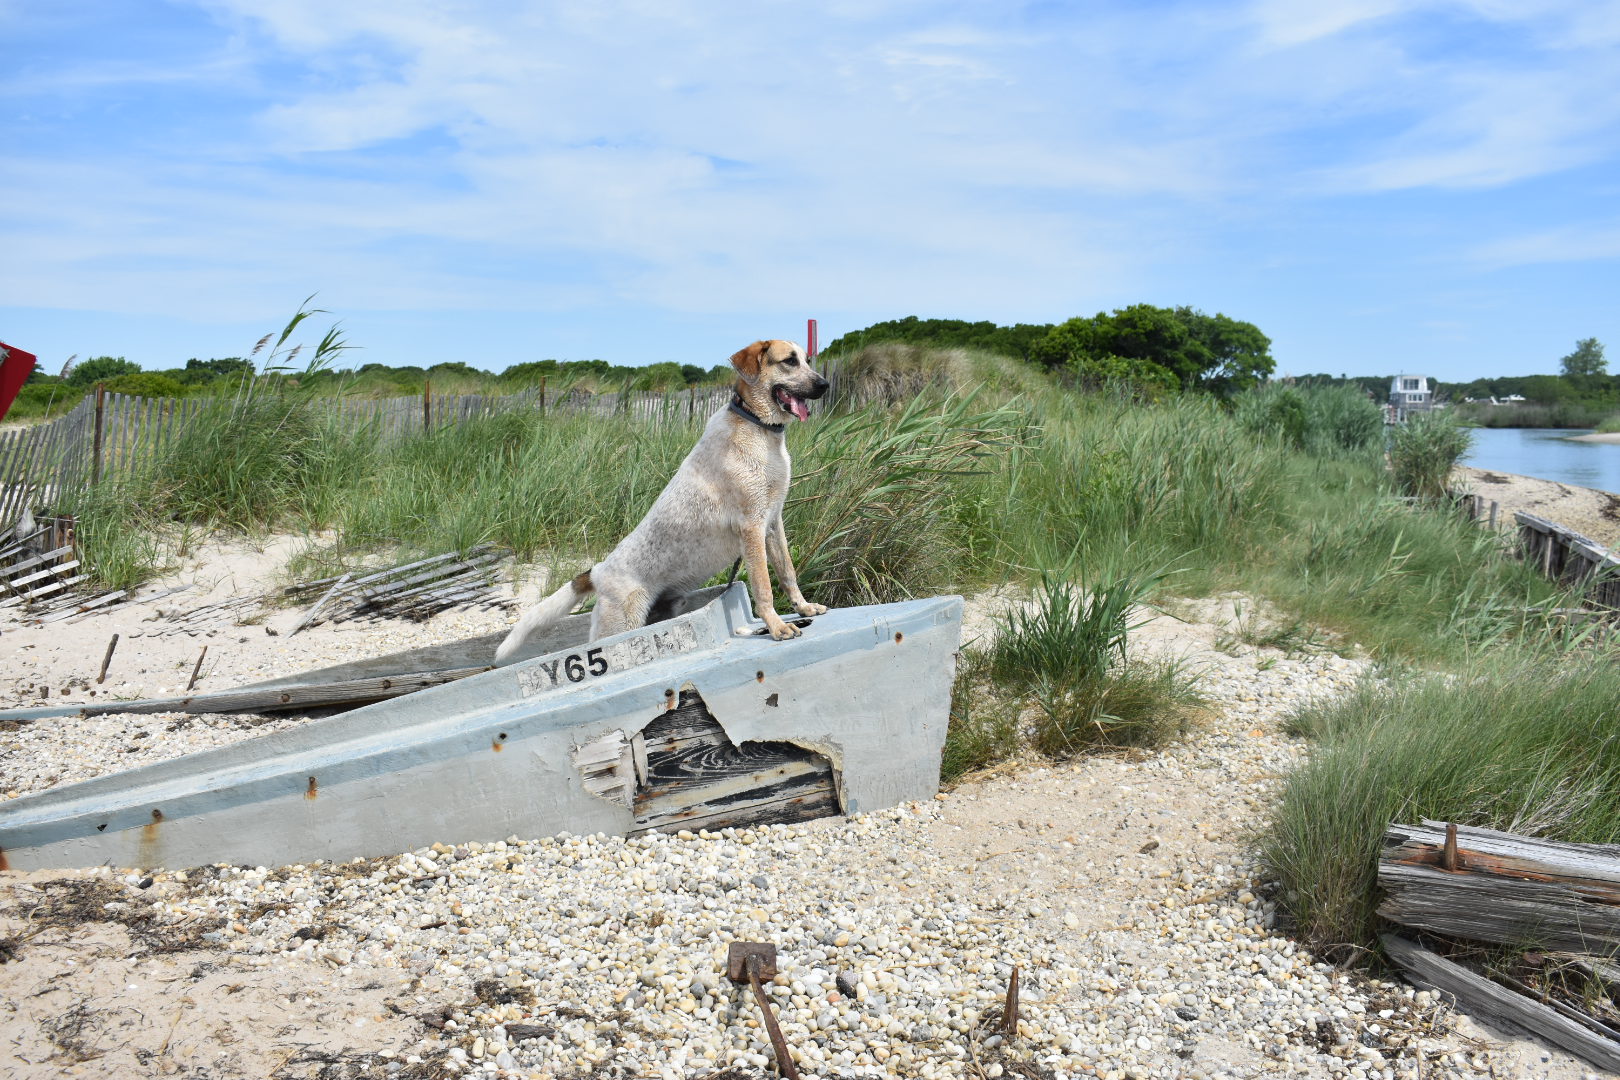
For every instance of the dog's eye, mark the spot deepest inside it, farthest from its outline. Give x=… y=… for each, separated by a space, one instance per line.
x=791 y=361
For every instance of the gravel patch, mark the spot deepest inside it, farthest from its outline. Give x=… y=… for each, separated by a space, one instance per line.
x=1123 y=889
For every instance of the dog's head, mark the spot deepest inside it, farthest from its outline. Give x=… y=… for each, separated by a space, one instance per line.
x=774 y=377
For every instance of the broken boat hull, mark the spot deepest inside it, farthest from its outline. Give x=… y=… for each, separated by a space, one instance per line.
x=564 y=742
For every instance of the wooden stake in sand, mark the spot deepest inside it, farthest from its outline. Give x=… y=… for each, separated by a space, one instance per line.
x=101 y=677
x=198 y=668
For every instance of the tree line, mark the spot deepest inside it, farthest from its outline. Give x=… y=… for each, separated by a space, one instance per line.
x=1583 y=380
x=1157 y=349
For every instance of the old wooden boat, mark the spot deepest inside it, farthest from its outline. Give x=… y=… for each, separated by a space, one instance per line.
x=699 y=721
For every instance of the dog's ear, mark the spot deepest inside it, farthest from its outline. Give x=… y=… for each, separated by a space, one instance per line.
x=747 y=362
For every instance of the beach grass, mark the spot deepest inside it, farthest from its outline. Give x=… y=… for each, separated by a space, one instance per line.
x=978 y=477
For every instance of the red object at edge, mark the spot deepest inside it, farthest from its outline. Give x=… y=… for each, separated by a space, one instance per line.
x=810 y=342
x=15 y=367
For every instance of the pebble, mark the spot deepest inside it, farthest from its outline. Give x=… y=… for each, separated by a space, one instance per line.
x=892 y=959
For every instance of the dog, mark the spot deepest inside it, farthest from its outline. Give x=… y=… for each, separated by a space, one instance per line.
x=724 y=502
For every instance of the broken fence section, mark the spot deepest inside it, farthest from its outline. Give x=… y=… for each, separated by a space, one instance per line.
x=415 y=590
x=1567 y=556
x=38 y=562
x=1563 y=554
x=1556 y=905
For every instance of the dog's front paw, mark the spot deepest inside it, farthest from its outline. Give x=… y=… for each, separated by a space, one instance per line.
x=807 y=608
x=779 y=629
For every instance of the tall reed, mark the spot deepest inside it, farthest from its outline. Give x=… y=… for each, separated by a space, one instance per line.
x=1424 y=450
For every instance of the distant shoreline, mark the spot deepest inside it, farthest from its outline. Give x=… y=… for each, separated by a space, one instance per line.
x=1596 y=436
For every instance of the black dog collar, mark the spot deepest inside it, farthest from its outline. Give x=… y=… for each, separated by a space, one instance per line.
x=746 y=413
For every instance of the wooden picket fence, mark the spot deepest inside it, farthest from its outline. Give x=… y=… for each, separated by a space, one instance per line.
x=106 y=434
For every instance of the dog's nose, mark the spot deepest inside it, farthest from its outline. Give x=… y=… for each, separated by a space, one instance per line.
x=819 y=386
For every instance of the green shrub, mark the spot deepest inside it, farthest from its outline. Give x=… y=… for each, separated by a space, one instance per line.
x=1342 y=419
x=1320 y=419
x=1273 y=410
x=98 y=368
x=146 y=384
x=1064 y=654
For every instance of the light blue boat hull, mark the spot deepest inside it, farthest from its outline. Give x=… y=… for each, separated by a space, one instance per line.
x=546 y=745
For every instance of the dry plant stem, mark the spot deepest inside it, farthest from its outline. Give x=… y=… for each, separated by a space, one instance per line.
x=1009 y=1012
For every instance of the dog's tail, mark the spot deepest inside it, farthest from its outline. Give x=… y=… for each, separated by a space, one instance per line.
x=545 y=613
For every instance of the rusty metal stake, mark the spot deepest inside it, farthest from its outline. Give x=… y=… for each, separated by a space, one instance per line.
x=750 y=962
x=1448 y=854
x=197 y=668
x=1009 y=1011
x=105 y=660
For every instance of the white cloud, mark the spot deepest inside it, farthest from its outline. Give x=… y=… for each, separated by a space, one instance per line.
x=454 y=154
x=1286 y=23
x=1576 y=243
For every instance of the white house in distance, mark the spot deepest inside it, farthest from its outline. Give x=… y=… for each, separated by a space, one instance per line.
x=1411 y=393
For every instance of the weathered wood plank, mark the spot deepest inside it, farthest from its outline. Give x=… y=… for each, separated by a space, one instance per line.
x=1483 y=999
x=56 y=571
x=1508 y=889
x=690 y=775
x=786 y=811
x=1494 y=851
x=315 y=609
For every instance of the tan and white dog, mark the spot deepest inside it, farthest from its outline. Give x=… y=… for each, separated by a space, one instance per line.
x=725 y=501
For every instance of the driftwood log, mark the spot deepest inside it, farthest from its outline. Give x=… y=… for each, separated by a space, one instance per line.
x=1513 y=890
x=1483 y=999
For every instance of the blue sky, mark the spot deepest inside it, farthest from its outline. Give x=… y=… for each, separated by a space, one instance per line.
x=1377 y=185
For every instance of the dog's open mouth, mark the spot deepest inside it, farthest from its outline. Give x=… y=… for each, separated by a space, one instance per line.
x=791 y=402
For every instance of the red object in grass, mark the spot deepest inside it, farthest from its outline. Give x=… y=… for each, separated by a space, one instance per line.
x=15 y=367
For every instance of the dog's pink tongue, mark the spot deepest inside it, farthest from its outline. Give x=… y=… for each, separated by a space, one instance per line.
x=800 y=409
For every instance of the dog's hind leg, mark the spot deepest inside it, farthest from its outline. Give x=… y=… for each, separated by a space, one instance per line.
x=619 y=609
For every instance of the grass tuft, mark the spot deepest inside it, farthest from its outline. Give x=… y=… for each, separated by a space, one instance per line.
x=1061 y=662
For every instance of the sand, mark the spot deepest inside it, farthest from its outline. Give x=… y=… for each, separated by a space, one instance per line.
x=1592 y=513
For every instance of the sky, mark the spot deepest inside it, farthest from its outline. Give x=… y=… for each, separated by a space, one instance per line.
x=1379 y=186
